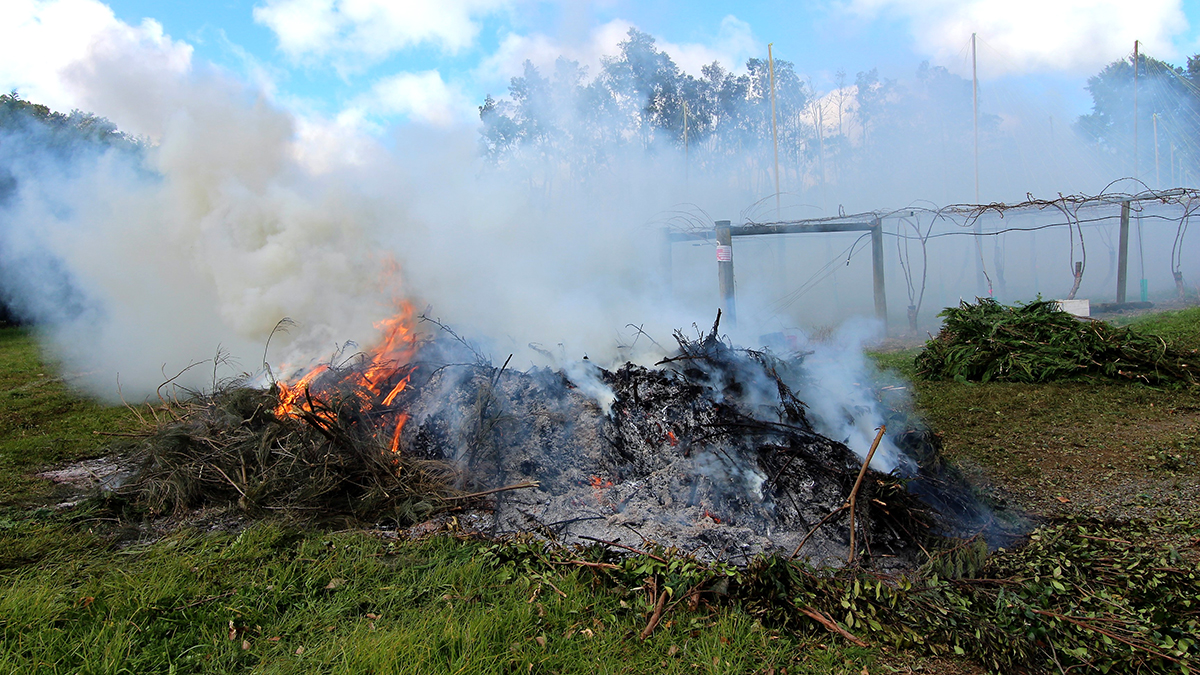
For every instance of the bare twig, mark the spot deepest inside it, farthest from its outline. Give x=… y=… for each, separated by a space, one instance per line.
x=226 y=477
x=201 y=601
x=143 y=434
x=849 y=502
x=627 y=548
x=829 y=624
x=821 y=522
x=585 y=563
x=854 y=493
x=656 y=616
x=518 y=486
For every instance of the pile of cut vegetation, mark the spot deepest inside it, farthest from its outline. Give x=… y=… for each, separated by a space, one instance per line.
x=231 y=447
x=711 y=453
x=1038 y=342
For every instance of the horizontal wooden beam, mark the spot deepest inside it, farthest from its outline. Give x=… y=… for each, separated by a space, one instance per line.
x=800 y=228
x=778 y=228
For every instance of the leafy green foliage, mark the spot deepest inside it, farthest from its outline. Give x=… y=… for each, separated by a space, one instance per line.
x=1037 y=342
x=1107 y=597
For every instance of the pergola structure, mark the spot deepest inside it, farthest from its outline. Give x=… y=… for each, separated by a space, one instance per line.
x=724 y=233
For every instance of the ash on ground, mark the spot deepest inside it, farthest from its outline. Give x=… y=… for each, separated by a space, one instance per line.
x=711 y=453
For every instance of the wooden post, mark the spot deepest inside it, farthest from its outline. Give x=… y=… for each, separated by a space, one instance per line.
x=877 y=265
x=725 y=272
x=1123 y=253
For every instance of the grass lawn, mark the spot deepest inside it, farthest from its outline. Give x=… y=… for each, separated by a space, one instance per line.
x=80 y=594
x=84 y=591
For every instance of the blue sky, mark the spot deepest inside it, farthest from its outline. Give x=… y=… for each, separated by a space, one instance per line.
x=385 y=62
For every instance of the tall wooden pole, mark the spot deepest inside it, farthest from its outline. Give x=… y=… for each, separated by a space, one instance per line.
x=781 y=247
x=877 y=272
x=774 y=132
x=1137 y=173
x=686 y=166
x=725 y=272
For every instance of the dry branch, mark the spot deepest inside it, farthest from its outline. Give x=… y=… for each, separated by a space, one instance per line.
x=858 y=482
x=830 y=625
x=656 y=616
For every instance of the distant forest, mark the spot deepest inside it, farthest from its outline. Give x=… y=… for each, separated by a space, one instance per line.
x=641 y=98
x=33 y=137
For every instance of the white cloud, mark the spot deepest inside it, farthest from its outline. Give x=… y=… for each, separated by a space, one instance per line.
x=732 y=45
x=41 y=40
x=421 y=97
x=372 y=28
x=542 y=50
x=1035 y=35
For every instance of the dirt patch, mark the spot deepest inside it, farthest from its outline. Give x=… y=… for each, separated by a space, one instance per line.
x=1112 y=450
x=90 y=477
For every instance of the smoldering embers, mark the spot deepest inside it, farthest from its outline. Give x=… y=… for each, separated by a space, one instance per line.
x=712 y=454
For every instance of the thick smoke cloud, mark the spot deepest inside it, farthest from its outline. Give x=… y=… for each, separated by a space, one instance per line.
x=547 y=246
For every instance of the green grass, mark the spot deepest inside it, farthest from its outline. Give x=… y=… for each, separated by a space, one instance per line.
x=1071 y=440
x=274 y=599
x=43 y=422
x=77 y=597
x=1179 y=328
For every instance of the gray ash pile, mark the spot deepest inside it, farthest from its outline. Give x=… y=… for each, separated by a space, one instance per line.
x=710 y=452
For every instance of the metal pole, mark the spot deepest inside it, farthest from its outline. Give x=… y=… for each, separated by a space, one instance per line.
x=1135 y=109
x=1123 y=254
x=1157 y=178
x=774 y=133
x=975 y=112
x=877 y=269
x=725 y=272
x=980 y=277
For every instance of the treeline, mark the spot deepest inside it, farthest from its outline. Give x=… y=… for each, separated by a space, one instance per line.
x=1165 y=102
x=34 y=138
x=571 y=122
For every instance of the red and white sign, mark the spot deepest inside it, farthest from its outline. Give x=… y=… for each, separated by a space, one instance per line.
x=724 y=254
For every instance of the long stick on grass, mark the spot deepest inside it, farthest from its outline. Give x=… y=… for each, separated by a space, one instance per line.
x=854 y=493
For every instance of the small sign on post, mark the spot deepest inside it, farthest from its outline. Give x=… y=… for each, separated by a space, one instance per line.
x=724 y=254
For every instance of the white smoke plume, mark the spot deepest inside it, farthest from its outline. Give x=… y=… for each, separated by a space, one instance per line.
x=239 y=214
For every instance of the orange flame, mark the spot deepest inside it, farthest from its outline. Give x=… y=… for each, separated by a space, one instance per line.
x=600 y=485
x=374 y=383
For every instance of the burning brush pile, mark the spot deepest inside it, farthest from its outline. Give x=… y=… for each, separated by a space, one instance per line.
x=710 y=452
